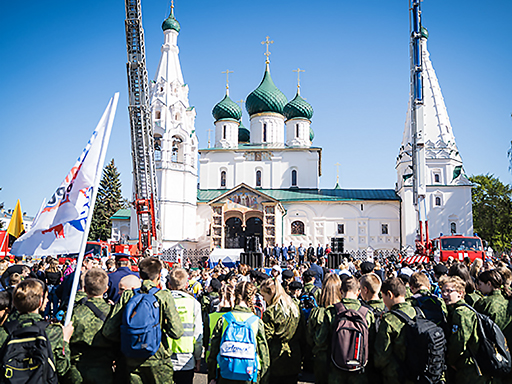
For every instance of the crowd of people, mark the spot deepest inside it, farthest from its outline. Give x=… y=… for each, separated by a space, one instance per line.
x=364 y=322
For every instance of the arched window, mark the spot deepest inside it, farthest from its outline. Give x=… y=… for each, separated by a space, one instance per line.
x=176 y=155
x=158 y=147
x=294 y=178
x=258 y=178
x=158 y=115
x=298 y=228
x=437 y=178
x=223 y=179
x=453 y=227
x=438 y=201
x=264 y=133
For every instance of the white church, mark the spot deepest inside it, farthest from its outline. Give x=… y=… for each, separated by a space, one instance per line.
x=263 y=181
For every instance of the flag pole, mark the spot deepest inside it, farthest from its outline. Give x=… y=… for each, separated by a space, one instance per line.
x=112 y=106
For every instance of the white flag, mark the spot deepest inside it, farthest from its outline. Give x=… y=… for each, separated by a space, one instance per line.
x=60 y=226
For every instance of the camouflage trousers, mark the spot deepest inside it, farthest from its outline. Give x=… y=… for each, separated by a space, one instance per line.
x=84 y=373
x=157 y=373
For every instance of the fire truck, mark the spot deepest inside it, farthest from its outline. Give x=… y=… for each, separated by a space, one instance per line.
x=458 y=247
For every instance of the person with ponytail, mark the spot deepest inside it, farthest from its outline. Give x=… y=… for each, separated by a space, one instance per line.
x=243 y=311
x=284 y=332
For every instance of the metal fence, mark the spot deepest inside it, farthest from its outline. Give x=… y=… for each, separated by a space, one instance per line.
x=380 y=254
x=173 y=255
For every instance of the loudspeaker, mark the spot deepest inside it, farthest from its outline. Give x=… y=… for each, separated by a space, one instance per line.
x=334 y=260
x=252 y=259
x=337 y=244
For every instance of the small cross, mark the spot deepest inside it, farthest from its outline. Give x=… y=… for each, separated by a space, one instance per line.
x=337 y=172
x=241 y=103
x=267 y=53
x=298 y=70
x=227 y=72
x=209 y=130
x=172 y=7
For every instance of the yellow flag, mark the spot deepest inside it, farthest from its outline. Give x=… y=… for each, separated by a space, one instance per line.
x=16 y=227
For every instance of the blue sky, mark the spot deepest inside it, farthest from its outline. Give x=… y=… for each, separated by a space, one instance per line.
x=63 y=60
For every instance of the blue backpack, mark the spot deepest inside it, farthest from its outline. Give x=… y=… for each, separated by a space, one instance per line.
x=140 y=329
x=238 y=358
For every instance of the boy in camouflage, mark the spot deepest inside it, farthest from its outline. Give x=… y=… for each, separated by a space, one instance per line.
x=29 y=297
x=91 y=353
x=157 y=368
x=390 y=349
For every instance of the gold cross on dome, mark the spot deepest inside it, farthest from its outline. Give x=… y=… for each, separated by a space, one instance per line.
x=298 y=70
x=227 y=72
x=172 y=7
x=241 y=103
x=337 y=172
x=267 y=53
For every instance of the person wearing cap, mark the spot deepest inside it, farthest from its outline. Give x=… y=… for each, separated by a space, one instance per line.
x=367 y=267
x=295 y=291
x=123 y=269
x=287 y=277
x=308 y=277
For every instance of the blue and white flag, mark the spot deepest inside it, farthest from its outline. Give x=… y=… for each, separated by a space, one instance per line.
x=60 y=226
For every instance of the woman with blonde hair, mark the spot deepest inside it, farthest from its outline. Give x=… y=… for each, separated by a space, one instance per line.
x=331 y=294
x=475 y=269
x=242 y=312
x=283 y=330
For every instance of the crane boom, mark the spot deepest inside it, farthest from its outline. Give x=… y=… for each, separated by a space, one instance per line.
x=144 y=175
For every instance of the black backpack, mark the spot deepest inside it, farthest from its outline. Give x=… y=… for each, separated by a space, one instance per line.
x=308 y=302
x=493 y=355
x=427 y=363
x=432 y=308
x=27 y=355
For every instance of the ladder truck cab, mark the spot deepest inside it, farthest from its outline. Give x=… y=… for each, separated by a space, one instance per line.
x=458 y=247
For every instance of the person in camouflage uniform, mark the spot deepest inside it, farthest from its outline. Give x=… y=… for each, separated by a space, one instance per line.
x=29 y=298
x=390 y=344
x=244 y=296
x=284 y=330
x=91 y=353
x=317 y=333
x=157 y=368
x=463 y=336
x=309 y=284
x=495 y=305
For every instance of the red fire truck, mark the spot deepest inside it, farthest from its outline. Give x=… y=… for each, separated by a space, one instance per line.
x=458 y=247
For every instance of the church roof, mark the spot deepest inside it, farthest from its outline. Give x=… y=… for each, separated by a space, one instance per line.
x=122 y=214
x=227 y=109
x=266 y=98
x=298 y=108
x=244 y=135
x=171 y=23
x=306 y=194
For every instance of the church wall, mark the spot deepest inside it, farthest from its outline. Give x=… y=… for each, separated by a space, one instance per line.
x=361 y=228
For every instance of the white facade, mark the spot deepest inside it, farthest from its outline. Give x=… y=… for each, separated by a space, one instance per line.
x=176 y=146
x=448 y=197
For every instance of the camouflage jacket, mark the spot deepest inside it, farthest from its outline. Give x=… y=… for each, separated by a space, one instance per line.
x=284 y=333
x=496 y=307
x=390 y=344
x=88 y=343
x=261 y=347
x=308 y=287
x=61 y=351
x=169 y=321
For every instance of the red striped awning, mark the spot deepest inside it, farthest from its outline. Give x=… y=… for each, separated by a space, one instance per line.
x=416 y=259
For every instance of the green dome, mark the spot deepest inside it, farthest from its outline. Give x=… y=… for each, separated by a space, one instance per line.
x=171 y=23
x=311 y=134
x=244 y=135
x=266 y=98
x=298 y=107
x=226 y=109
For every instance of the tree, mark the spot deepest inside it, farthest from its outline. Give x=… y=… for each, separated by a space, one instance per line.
x=108 y=201
x=492 y=209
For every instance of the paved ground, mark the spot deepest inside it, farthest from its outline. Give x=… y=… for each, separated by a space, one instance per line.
x=201 y=378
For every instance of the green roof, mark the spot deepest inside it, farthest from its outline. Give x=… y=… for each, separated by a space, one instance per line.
x=227 y=109
x=122 y=214
x=244 y=135
x=306 y=194
x=266 y=98
x=311 y=134
x=171 y=23
x=298 y=108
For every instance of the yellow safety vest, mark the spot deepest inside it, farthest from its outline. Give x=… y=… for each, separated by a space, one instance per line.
x=185 y=308
x=214 y=318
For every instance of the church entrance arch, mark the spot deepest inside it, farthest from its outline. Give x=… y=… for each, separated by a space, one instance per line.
x=254 y=229
x=234 y=233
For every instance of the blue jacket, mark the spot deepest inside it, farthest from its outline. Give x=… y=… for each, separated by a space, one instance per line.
x=113 y=282
x=319 y=274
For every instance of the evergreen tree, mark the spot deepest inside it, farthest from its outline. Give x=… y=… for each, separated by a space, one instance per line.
x=108 y=201
x=492 y=211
